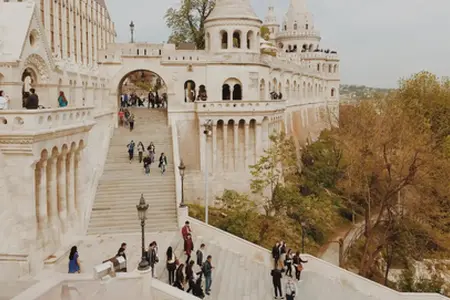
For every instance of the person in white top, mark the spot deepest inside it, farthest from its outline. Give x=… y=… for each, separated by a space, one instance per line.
x=291 y=289
x=4 y=100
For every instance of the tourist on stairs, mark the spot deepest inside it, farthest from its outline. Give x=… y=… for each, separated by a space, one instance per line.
x=179 y=278
x=276 y=280
x=288 y=263
x=207 y=271
x=186 y=230
x=140 y=149
x=151 y=151
x=171 y=265
x=152 y=256
x=121 y=117
x=62 y=101
x=291 y=289
x=298 y=265
x=200 y=254
x=162 y=163
x=147 y=163
x=190 y=276
x=131 y=150
x=131 y=121
x=188 y=247
x=74 y=262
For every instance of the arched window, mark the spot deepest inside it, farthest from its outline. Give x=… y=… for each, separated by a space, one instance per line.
x=318 y=67
x=333 y=92
x=208 y=41
x=335 y=69
x=295 y=26
x=286 y=89
x=272 y=30
x=202 y=95
x=226 y=94
x=262 y=90
x=311 y=46
x=237 y=92
x=285 y=27
x=224 y=39
x=189 y=91
x=306 y=26
x=250 y=37
x=237 y=39
x=330 y=69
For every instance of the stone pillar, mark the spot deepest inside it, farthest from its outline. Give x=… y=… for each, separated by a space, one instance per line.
x=202 y=148
x=247 y=146
x=214 y=148
x=62 y=192
x=14 y=91
x=225 y=146
x=42 y=202
x=236 y=145
x=258 y=140
x=52 y=198
x=71 y=211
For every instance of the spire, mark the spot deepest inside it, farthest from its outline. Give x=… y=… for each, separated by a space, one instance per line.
x=299 y=6
x=270 y=18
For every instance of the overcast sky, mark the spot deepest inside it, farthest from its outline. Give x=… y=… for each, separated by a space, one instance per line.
x=379 y=41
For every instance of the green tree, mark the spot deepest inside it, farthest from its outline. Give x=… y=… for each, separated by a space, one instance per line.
x=265 y=32
x=187 y=22
x=276 y=167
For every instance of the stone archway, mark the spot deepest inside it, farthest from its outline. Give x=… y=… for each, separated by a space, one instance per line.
x=142 y=84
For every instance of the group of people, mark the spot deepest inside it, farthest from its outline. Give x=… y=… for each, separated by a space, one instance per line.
x=284 y=261
x=126 y=118
x=30 y=100
x=188 y=276
x=149 y=157
x=154 y=100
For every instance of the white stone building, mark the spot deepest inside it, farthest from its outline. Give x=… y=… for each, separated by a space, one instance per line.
x=51 y=159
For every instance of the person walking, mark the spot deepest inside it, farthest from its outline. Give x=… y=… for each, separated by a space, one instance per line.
x=131 y=121
x=179 y=278
x=140 y=149
x=291 y=289
x=283 y=251
x=33 y=100
x=4 y=100
x=207 y=271
x=276 y=254
x=171 y=264
x=162 y=163
x=147 y=163
x=276 y=281
x=190 y=275
x=74 y=262
x=121 y=115
x=186 y=230
x=188 y=247
x=297 y=260
x=152 y=256
x=62 y=101
x=288 y=263
x=200 y=254
x=151 y=151
x=131 y=150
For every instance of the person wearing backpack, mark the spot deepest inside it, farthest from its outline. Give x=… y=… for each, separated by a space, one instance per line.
x=131 y=150
x=199 y=254
x=276 y=281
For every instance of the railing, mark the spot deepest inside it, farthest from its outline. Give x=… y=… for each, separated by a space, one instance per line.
x=239 y=106
x=308 y=33
x=43 y=119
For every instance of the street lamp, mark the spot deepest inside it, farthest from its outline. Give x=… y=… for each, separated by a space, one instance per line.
x=207 y=132
x=182 y=167
x=303 y=236
x=132 y=31
x=142 y=208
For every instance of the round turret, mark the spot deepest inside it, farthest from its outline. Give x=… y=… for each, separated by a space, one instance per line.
x=233 y=26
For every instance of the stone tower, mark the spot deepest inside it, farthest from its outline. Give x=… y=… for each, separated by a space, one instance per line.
x=233 y=26
x=270 y=21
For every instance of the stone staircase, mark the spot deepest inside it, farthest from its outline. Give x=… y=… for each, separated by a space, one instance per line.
x=122 y=182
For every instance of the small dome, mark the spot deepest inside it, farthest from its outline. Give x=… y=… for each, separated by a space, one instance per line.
x=233 y=9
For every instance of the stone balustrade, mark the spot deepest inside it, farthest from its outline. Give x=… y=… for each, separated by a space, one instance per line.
x=43 y=119
x=239 y=106
x=291 y=34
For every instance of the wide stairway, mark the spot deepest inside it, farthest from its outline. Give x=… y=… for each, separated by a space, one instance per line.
x=122 y=182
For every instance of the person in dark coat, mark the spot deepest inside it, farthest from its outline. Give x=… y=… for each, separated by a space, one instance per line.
x=179 y=278
x=33 y=100
x=121 y=252
x=276 y=280
x=297 y=260
x=188 y=247
x=276 y=254
x=152 y=256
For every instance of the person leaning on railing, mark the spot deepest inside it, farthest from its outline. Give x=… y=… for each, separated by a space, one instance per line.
x=4 y=100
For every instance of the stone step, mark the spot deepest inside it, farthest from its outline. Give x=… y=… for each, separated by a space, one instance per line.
x=124 y=230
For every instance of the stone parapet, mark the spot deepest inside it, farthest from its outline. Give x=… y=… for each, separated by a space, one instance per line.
x=239 y=107
x=27 y=121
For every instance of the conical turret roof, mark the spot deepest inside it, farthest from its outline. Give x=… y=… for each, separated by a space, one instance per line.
x=233 y=9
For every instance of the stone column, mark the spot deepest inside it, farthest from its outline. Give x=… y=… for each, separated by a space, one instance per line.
x=52 y=198
x=214 y=147
x=225 y=146
x=202 y=147
x=62 y=192
x=79 y=188
x=236 y=145
x=71 y=187
x=42 y=202
x=247 y=146
x=258 y=140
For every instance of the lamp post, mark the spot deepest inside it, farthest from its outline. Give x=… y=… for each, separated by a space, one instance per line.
x=142 y=208
x=207 y=132
x=132 y=31
x=182 y=167
x=303 y=237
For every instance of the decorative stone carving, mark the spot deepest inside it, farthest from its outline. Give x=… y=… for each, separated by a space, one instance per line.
x=37 y=62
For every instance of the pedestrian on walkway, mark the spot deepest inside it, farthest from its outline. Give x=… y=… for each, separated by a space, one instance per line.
x=276 y=281
x=276 y=254
x=131 y=121
x=298 y=265
x=207 y=271
x=291 y=289
x=288 y=263
x=147 y=163
x=200 y=254
x=152 y=256
x=171 y=264
x=179 y=278
x=140 y=149
x=131 y=150
x=186 y=230
x=188 y=247
x=74 y=262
